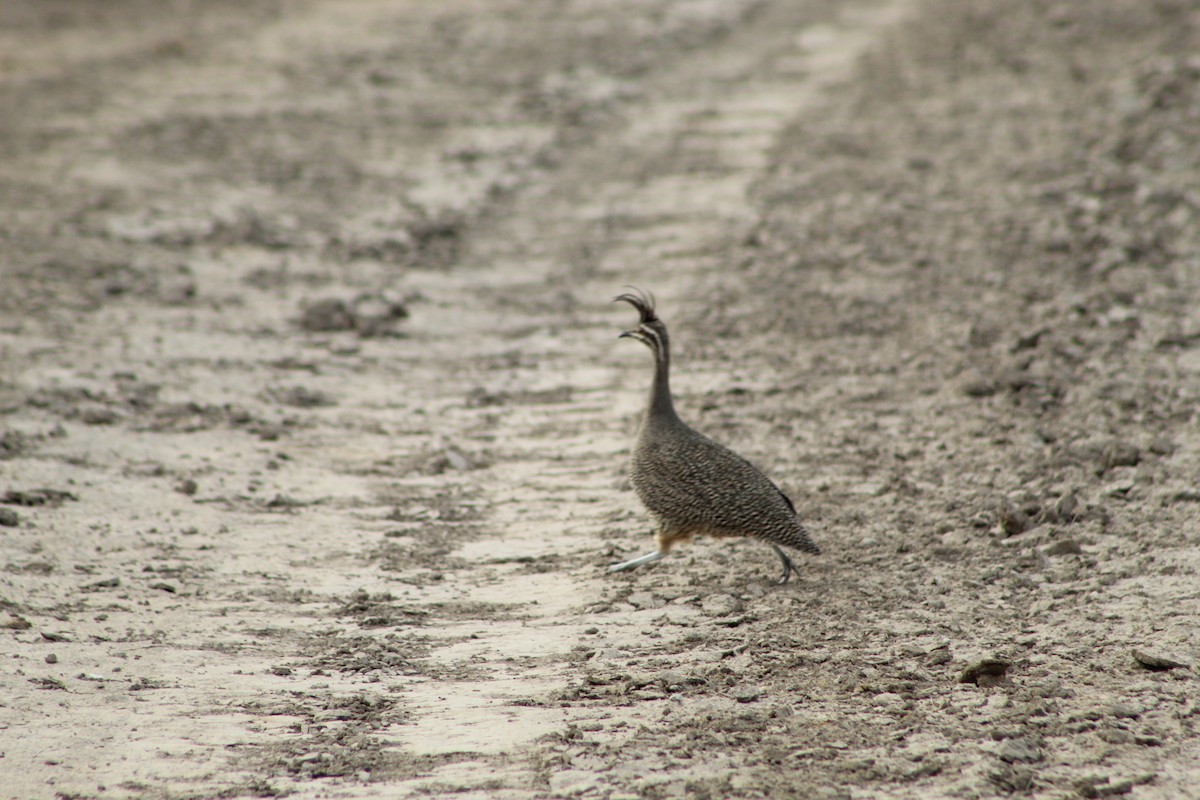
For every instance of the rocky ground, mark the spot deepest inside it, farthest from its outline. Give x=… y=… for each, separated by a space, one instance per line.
x=314 y=418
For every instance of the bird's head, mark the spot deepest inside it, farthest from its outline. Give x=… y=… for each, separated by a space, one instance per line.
x=650 y=330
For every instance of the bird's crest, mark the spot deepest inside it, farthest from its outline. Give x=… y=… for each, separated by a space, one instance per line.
x=642 y=301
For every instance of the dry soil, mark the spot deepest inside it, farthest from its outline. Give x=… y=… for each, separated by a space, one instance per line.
x=313 y=418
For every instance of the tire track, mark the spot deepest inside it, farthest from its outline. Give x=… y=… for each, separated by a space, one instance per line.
x=657 y=202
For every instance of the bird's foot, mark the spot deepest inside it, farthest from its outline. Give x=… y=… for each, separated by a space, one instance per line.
x=788 y=566
x=635 y=562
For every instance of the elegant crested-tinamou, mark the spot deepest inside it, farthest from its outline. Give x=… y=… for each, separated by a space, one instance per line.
x=691 y=485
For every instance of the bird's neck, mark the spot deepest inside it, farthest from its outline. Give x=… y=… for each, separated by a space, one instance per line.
x=661 y=406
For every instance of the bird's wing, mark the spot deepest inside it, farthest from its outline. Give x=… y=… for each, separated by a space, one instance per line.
x=786 y=499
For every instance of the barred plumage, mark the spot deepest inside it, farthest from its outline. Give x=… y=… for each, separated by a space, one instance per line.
x=690 y=484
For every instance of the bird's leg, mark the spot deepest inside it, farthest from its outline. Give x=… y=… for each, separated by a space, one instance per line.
x=636 y=562
x=788 y=566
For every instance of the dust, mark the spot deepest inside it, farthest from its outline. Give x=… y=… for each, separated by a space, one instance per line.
x=314 y=419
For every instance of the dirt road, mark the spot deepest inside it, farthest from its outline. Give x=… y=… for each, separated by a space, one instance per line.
x=315 y=419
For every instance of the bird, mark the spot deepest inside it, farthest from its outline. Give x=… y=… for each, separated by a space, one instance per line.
x=690 y=484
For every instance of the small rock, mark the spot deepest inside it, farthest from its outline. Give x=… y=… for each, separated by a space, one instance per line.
x=1125 y=711
x=747 y=694
x=12 y=444
x=98 y=415
x=1013 y=780
x=591 y=631
x=939 y=657
x=107 y=583
x=1012 y=520
x=644 y=600
x=1119 y=454
x=720 y=605
x=328 y=715
x=981 y=387
x=163 y=587
x=1064 y=547
x=187 y=486
x=1115 y=736
x=1065 y=509
x=610 y=654
x=986 y=673
x=982 y=334
x=1101 y=787
x=330 y=314
x=1162 y=446
x=51 y=658
x=1157 y=661
x=1020 y=751
x=36 y=497
x=889 y=701
x=573 y=782
x=377 y=315
x=1029 y=340
x=300 y=397
x=9 y=518
x=456 y=459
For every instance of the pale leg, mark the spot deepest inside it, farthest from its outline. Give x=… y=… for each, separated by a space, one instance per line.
x=636 y=562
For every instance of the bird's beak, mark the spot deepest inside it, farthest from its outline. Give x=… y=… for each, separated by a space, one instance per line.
x=627 y=335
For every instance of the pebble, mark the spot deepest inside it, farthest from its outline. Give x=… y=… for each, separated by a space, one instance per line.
x=1116 y=736
x=1119 y=454
x=99 y=415
x=747 y=694
x=329 y=314
x=1101 y=787
x=644 y=600
x=1157 y=661
x=1066 y=508
x=609 y=654
x=980 y=387
x=1125 y=711
x=1012 y=520
x=889 y=701
x=457 y=459
x=1020 y=751
x=720 y=605
x=985 y=673
x=572 y=782
x=9 y=518
x=939 y=657
x=1064 y=547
